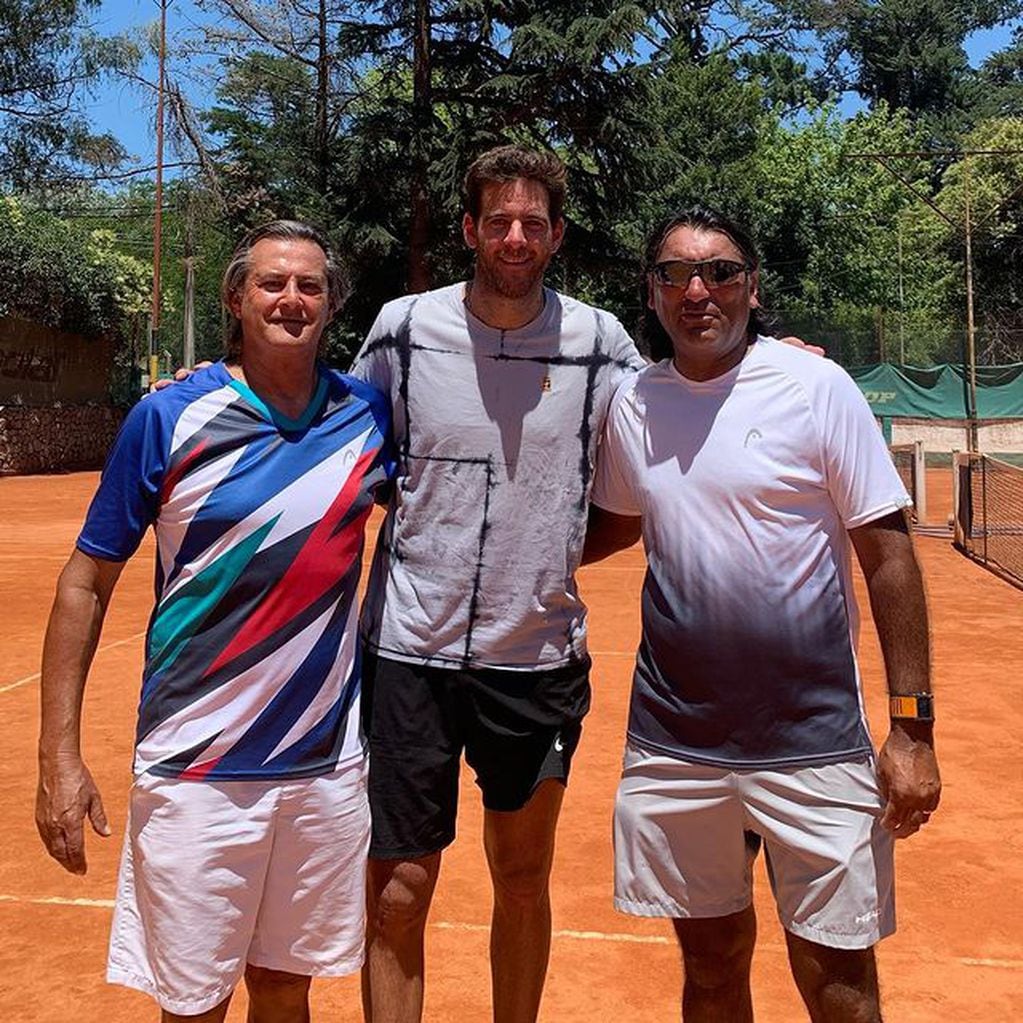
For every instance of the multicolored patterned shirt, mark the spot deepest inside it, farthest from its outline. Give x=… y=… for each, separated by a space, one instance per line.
x=252 y=668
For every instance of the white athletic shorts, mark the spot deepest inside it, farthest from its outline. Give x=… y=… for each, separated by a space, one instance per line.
x=682 y=847
x=217 y=875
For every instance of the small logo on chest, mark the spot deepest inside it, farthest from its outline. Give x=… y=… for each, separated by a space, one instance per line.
x=753 y=437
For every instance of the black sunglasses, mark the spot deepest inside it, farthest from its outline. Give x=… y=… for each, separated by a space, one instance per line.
x=715 y=273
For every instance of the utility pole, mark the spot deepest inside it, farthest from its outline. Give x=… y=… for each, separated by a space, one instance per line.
x=188 y=345
x=971 y=345
x=154 y=359
x=188 y=340
x=419 y=276
x=902 y=305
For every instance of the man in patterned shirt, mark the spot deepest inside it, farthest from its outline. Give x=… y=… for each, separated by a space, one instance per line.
x=248 y=823
x=475 y=634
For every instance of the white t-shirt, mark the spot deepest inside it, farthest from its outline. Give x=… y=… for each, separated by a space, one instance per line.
x=496 y=432
x=747 y=485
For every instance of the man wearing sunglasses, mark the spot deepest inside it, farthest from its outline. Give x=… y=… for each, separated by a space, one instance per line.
x=750 y=469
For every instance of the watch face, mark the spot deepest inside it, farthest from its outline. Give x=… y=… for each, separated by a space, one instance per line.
x=917 y=706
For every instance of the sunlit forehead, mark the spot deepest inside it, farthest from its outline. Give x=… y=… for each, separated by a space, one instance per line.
x=515 y=200
x=298 y=259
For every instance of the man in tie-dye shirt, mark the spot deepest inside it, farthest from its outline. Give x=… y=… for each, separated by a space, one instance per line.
x=248 y=823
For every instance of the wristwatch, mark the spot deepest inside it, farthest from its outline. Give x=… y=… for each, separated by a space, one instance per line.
x=915 y=706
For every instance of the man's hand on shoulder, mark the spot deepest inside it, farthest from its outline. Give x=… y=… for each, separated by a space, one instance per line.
x=797 y=342
x=179 y=375
x=65 y=796
x=907 y=772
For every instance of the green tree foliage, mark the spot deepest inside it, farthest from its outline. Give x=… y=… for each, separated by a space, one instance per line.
x=418 y=89
x=405 y=119
x=910 y=54
x=362 y=115
x=48 y=60
x=1001 y=81
x=65 y=275
x=988 y=184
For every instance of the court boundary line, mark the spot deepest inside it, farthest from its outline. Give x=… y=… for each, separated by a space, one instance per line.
x=99 y=650
x=446 y=925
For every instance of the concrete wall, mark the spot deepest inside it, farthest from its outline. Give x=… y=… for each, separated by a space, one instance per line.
x=994 y=436
x=42 y=366
x=55 y=438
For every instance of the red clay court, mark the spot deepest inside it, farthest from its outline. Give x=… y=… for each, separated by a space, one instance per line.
x=958 y=955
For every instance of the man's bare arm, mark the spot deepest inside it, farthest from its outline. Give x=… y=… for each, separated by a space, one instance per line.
x=66 y=793
x=607 y=533
x=907 y=765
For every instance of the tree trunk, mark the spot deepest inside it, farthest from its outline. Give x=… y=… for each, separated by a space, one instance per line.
x=419 y=275
x=322 y=91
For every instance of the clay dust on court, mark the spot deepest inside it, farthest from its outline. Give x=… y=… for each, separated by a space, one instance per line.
x=958 y=954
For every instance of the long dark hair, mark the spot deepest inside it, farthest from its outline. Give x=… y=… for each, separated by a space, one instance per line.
x=701 y=218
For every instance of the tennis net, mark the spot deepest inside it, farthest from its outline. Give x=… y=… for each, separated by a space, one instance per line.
x=989 y=513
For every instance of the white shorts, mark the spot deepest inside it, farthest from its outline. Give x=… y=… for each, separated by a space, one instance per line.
x=682 y=847
x=217 y=875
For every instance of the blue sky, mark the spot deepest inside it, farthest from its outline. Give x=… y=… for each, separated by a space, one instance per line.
x=129 y=113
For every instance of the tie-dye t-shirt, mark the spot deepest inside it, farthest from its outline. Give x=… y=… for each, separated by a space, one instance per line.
x=251 y=667
x=496 y=432
x=748 y=485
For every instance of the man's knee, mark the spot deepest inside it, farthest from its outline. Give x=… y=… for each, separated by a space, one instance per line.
x=400 y=892
x=275 y=985
x=520 y=845
x=837 y=984
x=717 y=952
x=523 y=879
x=520 y=873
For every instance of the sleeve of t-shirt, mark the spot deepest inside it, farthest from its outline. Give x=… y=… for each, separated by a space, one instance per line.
x=614 y=480
x=127 y=501
x=373 y=361
x=625 y=356
x=861 y=475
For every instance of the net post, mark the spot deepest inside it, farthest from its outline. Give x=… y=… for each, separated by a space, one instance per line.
x=957 y=529
x=920 y=481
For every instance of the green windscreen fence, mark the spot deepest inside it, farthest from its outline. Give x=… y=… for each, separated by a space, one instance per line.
x=940 y=392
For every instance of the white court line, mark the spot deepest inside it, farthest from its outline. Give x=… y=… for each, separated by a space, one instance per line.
x=57 y=901
x=99 y=650
x=771 y=946
x=625 y=939
x=636 y=939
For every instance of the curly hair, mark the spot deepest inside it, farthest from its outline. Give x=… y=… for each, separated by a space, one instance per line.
x=508 y=163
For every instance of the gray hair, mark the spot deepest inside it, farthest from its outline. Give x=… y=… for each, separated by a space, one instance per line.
x=238 y=270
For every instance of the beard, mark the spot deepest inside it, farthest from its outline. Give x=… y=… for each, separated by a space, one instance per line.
x=512 y=282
